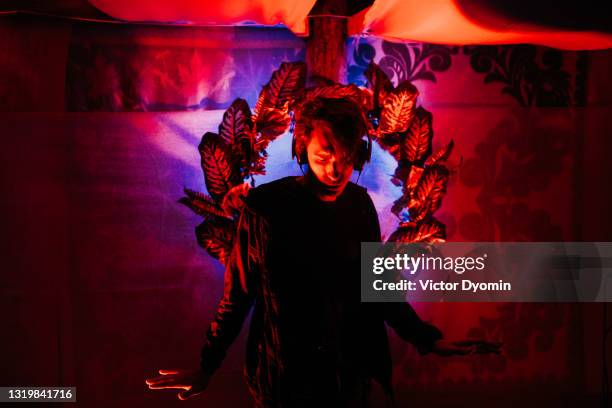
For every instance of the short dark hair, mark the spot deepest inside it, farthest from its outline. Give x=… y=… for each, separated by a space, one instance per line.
x=344 y=117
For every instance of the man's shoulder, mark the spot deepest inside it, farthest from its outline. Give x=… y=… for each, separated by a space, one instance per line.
x=268 y=194
x=275 y=187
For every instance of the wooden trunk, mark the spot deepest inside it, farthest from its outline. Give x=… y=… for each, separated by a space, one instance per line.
x=325 y=48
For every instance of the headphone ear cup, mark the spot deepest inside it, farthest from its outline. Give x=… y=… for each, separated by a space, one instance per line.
x=364 y=155
x=302 y=158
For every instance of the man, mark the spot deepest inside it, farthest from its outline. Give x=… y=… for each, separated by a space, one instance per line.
x=296 y=260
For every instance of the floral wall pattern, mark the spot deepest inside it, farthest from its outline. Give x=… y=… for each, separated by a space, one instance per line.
x=514 y=113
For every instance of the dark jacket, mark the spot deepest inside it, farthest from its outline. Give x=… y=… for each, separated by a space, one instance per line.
x=296 y=260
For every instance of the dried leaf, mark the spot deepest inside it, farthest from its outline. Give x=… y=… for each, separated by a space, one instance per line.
x=426 y=198
x=441 y=155
x=219 y=173
x=428 y=231
x=285 y=85
x=271 y=124
x=416 y=142
x=398 y=109
x=352 y=92
x=259 y=165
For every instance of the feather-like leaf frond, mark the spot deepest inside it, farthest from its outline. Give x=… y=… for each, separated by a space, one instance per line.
x=202 y=204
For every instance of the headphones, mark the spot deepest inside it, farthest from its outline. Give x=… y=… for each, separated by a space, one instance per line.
x=363 y=155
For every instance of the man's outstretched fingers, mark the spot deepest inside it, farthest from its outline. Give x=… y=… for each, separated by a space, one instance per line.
x=183 y=395
x=166 y=386
x=165 y=372
x=159 y=379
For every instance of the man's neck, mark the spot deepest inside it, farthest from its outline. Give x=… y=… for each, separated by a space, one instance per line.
x=313 y=184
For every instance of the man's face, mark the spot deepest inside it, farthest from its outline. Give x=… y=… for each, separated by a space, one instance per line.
x=331 y=168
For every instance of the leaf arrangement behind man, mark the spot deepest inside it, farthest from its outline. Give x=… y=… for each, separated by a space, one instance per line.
x=237 y=152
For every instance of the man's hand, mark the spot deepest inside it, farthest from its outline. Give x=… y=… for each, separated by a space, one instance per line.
x=193 y=382
x=445 y=347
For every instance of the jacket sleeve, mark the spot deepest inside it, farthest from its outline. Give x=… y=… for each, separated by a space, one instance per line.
x=238 y=292
x=400 y=316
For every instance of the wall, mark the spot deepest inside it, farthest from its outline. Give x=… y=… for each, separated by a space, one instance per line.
x=103 y=281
